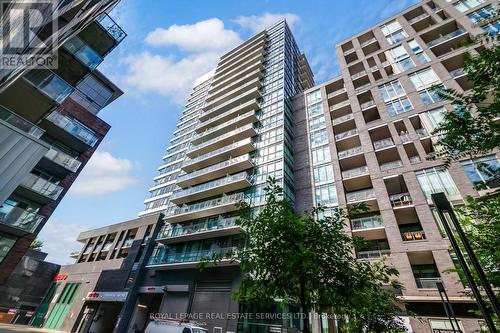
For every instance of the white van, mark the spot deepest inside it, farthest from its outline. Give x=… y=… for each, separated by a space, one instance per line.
x=168 y=326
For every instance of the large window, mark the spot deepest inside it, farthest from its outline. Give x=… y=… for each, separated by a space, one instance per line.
x=433 y=118
x=391 y=90
x=482 y=14
x=465 y=5
x=419 y=53
x=319 y=138
x=400 y=59
x=429 y=96
x=435 y=180
x=323 y=174
x=398 y=106
x=393 y=32
x=483 y=172
x=326 y=195
x=321 y=155
x=6 y=244
x=424 y=79
x=313 y=97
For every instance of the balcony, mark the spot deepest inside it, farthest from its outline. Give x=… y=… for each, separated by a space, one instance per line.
x=358 y=75
x=427 y=283
x=210 y=133
x=361 y=195
x=350 y=152
x=84 y=53
x=49 y=84
x=445 y=38
x=336 y=92
x=373 y=254
x=222 y=185
x=224 y=204
x=400 y=200
x=173 y=233
x=238 y=90
x=342 y=119
x=340 y=105
x=233 y=103
x=215 y=171
x=103 y=35
x=22 y=219
x=356 y=172
x=459 y=72
x=369 y=222
x=384 y=143
x=43 y=191
x=418 y=18
x=346 y=134
x=106 y=246
x=20 y=123
x=63 y=160
x=413 y=235
x=208 y=119
x=367 y=105
x=238 y=134
x=230 y=85
x=72 y=132
x=391 y=165
x=190 y=259
x=219 y=155
x=247 y=59
x=235 y=53
x=368 y=42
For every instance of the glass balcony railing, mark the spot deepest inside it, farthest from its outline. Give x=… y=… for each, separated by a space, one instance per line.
x=219 y=138
x=350 y=152
x=359 y=171
x=400 y=199
x=228 y=123
x=384 y=143
x=413 y=235
x=360 y=195
x=346 y=134
x=214 y=167
x=22 y=124
x=369 y=222
x=337 y=92
x=74 y=127
x=176 y=230
x=213 y=184
x=342 y=119
x=216 y=152
x=427 y=283
x=42 y=186
x=77 y=47
x=63 y=159
x=373 y=254
x=446 y=37
x=339 y=105
x=458 y=72
x=358 y=75
x=391 y=165
x=367 y=105
x=422 y=132
x=418 y=18
x=49 y=83
x=224 y=200
x=19 y=218
x=111 y=27
x=175 y=258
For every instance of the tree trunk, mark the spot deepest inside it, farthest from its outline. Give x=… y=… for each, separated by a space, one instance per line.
x=303 y=305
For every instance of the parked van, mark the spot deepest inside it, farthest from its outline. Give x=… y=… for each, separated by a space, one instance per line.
x=170 y=326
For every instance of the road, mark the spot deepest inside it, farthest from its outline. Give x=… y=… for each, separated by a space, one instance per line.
x=8 y=328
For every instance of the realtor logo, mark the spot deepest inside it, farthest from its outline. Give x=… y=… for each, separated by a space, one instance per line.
x=28 y=31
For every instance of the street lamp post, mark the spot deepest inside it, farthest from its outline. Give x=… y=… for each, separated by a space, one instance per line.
x=443 y=206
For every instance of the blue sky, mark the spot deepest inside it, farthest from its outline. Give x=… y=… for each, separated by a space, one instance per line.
x=170 y=44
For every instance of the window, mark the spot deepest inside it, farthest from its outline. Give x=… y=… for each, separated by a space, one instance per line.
x=424 y=79
x=398 y=106
x=465 y=5
x=429 y=96
x=400 y=59
x=313 y=97
x=6 y=244
x=326 y=195
x=483 y=172
x=390 y=27
x=481 y=14
x=321 y=155
x=317 y=123
x=315 y=110
x=393 y=32
x=419 y=53
x=433 y=118
x=438 y=325
x=492 y=28
x=323 y=174
x=435 y=180
x=391 y=90
x=319 y=138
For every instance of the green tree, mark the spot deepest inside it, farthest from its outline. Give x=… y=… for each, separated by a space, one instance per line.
x=36 y=245
x=307 y=260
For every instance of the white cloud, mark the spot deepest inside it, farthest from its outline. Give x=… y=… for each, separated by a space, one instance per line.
x=164 y=75
x=209 y=35
x=258 y=23
x=104 y=174
x=59 y=240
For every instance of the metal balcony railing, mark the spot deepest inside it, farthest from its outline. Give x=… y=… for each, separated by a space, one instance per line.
x=49 y=83
x=111 y=27
x=42 y=186
x=213 y=184
x=107 y=246
x=369 y=222
x=384 y=143
x=391 y=165
x=360 y=195
x=413 y=235
x=350 y=152
x=84 y=53
x=184 y=257
x=13 y=119
x=19 y=218
x=400 y=199
x=427 y=283
x=446 y=37
x=346 y=134
x=373 y=254
x=63 y=159
x=176 y=230
x=342 y=119
x=74 y=127
x=224 y=200
x=359 y=171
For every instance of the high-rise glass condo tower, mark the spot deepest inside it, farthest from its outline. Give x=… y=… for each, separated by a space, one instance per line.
x=235 y=132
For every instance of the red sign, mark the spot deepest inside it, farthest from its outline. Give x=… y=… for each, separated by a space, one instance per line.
x=60 y=277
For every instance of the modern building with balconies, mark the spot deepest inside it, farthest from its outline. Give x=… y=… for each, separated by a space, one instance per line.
x=369 y=134
x=234 y=133
x=49 y=125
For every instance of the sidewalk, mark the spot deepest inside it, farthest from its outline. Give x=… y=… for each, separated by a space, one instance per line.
x=8 y=328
